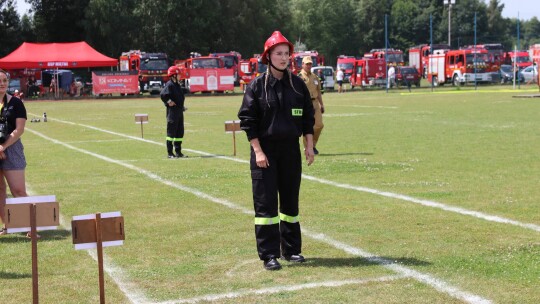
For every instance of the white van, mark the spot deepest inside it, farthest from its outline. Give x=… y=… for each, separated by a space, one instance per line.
x=328 y=76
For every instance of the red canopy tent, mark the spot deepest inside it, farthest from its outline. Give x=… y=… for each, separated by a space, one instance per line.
x=55 y=55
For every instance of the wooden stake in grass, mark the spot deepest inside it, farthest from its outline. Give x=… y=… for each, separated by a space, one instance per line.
x=27 y=214
x=141 y=119
x=97 y=231
x=233 y=126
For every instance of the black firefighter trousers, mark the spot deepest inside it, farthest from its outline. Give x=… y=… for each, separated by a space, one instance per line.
x=277 y=228
x=175 y=129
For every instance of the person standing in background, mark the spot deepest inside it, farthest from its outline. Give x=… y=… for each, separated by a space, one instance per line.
x=391 y=77
x=173 y=98
x=313 y=84
x=339 y=78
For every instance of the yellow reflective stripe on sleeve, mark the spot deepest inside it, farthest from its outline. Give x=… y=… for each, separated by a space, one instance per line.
x=266 y=220
x=288 y=218
x=174 y=139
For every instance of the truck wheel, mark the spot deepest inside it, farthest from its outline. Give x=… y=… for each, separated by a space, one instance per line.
x=455 y=81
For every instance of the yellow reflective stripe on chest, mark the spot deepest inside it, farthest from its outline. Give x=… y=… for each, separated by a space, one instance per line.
x=297 y=112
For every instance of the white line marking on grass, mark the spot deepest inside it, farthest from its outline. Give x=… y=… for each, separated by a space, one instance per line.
x=427 y=203
x=421 y=277
x=273 y=290
x=417 y=275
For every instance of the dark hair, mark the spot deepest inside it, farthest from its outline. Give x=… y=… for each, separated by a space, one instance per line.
x=5 y=73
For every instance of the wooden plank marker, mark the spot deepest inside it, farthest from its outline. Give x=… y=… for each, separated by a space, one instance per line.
x=141 y=119
x=97 y=231
x=30 y=214
x=233 y=126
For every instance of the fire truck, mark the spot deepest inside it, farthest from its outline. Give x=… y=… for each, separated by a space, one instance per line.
x=368 y=72
x=205 y=74
x=459 y=67
x=250 y=69
x=231 y=60
x=346 y=63
x=395 y=56
x=534 y=53
x=520 y=58
x=495 y=52
x=418 y=56
x=152 y=68
x=297 y=57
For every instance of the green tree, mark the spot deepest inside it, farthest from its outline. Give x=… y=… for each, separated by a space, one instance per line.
x=326 y=26
x=111 y=27
x=9 y=28
x=59 y=20
x=370 y=25
x=530 y=32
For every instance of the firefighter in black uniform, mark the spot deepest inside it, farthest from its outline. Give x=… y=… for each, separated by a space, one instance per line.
x=173 y=98
x=275 y=112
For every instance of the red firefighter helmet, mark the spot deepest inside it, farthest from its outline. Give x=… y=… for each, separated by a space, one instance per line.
x=173 y=70
x=275 y=39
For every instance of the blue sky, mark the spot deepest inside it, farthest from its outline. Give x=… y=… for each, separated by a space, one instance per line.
x=526 y=8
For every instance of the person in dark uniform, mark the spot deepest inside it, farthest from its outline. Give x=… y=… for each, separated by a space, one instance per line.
x=276 y=110
x=173 y=98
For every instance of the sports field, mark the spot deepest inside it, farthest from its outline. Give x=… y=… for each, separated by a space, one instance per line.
x=415 y=198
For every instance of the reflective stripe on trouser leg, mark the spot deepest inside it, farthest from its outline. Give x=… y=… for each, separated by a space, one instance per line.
x=282 y=177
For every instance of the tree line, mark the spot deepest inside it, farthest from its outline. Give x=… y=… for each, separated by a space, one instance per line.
x=332 y=27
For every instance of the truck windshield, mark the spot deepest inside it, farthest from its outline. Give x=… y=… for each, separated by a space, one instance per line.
x=206 y=63
x=228 y=61
x=345 y=66
x=154 y=64
x=480 y=58
x=396 y=57
x=522 y=59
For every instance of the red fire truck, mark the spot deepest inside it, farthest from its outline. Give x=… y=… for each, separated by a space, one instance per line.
x=418 y=56
x=459 y=67
x=534 y=53
x=250 y=69
x=495 y=52
x=152 y=68
x=298 y=56
x=231 y=60
x=205 y=74
x=368 y=72
x=520 y=58
x=395 y=56
x=346 y=63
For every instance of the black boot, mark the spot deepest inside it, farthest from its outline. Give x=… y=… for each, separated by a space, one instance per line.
x=178 y=149
x=170 y=149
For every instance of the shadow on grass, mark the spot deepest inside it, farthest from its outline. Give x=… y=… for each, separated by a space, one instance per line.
x=46 y=236
x=359 y=262
x=13 y=276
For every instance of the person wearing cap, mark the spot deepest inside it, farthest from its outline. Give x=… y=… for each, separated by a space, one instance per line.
x=313 y=84
x=173 y=98
x=276 y=110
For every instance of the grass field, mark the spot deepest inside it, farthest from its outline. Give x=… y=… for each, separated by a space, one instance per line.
x=415 y=198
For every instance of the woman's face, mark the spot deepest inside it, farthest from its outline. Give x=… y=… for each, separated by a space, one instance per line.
x=4 y=81
x=280 y=56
